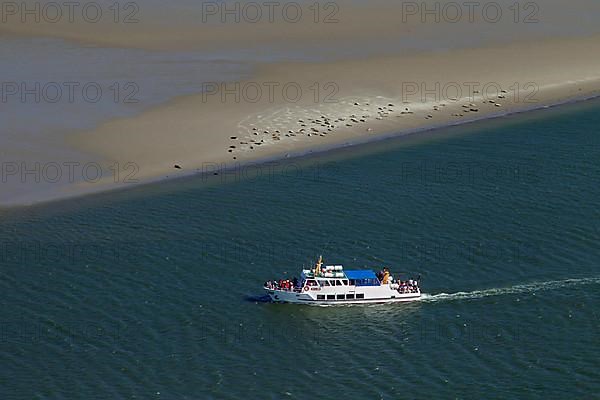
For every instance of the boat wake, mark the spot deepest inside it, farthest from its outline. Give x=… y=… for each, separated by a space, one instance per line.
x=517 y=289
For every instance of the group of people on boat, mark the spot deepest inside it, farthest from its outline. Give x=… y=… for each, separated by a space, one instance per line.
x=409 y=286
x=282 y=284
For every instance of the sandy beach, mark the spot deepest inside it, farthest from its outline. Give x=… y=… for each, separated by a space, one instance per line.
x=290 y=109
x=392 y=83
x=400 y=96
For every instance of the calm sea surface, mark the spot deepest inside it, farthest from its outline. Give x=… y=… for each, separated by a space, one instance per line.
x=156 y=292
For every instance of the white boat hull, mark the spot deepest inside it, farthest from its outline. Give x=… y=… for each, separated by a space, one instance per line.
x=331 y=296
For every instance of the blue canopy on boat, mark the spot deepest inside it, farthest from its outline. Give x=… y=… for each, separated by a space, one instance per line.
x=360 y=274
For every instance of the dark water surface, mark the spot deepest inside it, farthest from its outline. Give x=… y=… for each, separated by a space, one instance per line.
x=156 y=292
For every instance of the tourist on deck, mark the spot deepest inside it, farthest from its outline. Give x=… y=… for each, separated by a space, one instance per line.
x=386 y=276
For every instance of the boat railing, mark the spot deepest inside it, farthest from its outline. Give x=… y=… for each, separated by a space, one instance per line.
x=284 y=289
x=408 y=289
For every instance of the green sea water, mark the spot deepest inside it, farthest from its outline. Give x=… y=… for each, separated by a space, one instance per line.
x=155 y=292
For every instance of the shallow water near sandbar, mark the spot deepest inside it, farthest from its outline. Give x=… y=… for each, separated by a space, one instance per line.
x=156 y=292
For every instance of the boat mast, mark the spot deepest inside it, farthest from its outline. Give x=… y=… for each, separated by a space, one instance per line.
x=318 y=266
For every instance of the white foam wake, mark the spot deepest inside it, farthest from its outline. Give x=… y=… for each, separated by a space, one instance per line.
x=517 y=289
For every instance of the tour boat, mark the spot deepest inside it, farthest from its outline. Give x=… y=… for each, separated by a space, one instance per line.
x=331 y=284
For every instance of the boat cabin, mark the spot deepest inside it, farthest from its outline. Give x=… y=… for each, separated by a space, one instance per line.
x=347 y=278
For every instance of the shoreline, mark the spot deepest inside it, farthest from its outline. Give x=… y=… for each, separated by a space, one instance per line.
x=300 y=156
x=375 y=98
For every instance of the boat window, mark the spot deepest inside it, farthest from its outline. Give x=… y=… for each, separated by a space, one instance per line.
x=324 y=283
x=331 y=297
x=340 y=297
x=352 y=282
x=345 y=282
x=350 y=296
x=320 y=297
x=360 y=295
x=311 y=282
x=332 y=283
x=338 y=282
x=367 y=282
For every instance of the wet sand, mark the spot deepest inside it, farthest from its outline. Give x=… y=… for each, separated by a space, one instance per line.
x=376 y=99
x=398 y=79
